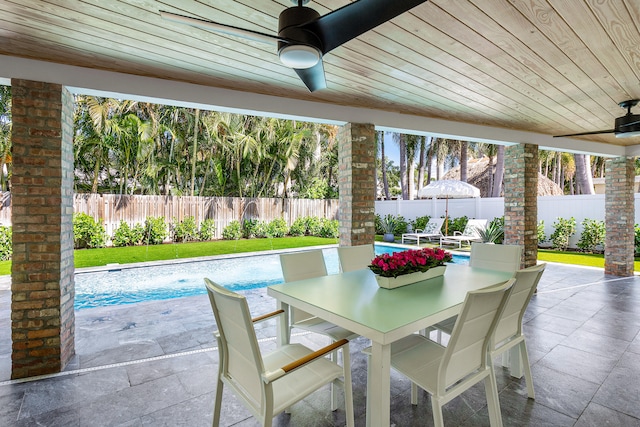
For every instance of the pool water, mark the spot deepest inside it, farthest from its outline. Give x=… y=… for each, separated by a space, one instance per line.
x=137 y=284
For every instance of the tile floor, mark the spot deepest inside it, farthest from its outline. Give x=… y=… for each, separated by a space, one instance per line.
x=152 y=364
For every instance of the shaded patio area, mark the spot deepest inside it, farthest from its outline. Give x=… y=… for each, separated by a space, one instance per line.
x=153 y=364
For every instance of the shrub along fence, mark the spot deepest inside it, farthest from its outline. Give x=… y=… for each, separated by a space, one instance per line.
x=110 y=209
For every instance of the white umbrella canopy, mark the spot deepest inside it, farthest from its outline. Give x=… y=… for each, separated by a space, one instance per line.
x=448 y=189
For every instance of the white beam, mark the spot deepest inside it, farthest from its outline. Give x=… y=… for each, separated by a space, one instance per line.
x=125 y=86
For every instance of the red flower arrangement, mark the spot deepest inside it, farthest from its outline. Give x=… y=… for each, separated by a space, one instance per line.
x=411 y=261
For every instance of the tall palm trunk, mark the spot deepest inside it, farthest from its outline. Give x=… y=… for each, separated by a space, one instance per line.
x=383 y=167
x=464 y=155
x=196 y=123
x=584 y=179
x=499 y=173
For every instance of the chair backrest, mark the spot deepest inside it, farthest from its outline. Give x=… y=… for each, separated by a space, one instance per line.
x=467 y=348
x=510 y=322
x=240 y=359
x=300 y=266
x=496 y=257
x=355 y=257
x=433 y=226
x=473 y=227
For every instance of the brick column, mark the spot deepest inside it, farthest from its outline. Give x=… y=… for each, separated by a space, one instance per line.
x=619 y=217
x=521 y=200
x=42 y=316
x=356 y=178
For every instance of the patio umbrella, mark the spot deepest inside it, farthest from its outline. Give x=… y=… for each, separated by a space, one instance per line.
x=448 y=189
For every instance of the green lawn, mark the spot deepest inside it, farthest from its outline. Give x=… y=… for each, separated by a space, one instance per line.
x=133 y=254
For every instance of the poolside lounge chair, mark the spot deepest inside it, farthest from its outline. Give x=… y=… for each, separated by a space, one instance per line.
x=471 y=233
x=430 y=231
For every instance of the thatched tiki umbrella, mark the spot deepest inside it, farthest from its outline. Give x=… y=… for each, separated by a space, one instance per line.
x=448 y=189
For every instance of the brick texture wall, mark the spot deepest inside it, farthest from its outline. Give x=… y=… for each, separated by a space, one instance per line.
x=521 y=200
x=356 y=162
x=42 y=316
x=619 y=217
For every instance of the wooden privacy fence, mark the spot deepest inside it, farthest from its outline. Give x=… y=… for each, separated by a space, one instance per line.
x=113 y=208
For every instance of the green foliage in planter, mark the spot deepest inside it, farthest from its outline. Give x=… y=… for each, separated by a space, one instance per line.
x=541 y=236
x=277 y=228
x=593 y=233
x=233 y=231
x=386 y=224
x=207 y=229
x=155 y=230
x=329 y=228
x=87 y=232
x=125 y=235
x=636 y=240
x=6 y=244
x=493 y=232
x=185 y=230
x=563 y=229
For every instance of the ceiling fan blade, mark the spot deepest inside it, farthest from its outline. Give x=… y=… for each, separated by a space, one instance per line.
x=588 y=133
x=221 y=28
x=313 y=77
x=624 y=125
x=338 y=27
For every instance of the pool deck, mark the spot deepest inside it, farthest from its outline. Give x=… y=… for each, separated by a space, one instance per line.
x=155 y=364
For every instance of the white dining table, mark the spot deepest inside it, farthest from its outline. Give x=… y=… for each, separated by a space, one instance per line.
x=355 y=302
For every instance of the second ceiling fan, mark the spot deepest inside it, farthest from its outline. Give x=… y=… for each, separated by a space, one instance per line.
x=304 y=36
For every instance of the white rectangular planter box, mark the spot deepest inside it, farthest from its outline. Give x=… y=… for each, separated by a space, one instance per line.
x=408 y=279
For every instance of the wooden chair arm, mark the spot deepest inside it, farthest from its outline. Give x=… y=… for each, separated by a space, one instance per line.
x=272 y=376
x=267 y=316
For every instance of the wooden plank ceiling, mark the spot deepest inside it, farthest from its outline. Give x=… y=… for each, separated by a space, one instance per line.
x=545 y=66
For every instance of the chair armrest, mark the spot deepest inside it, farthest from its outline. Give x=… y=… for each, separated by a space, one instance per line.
x=457 y=233
x=267 y=377
x=267 y=316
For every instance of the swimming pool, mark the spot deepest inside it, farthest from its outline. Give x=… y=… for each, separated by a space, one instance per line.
x=173 y=280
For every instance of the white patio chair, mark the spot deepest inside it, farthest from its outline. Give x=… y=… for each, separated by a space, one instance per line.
x=468 y=235
x=446 y=372
x=430 y=231
x=509 y=332
x=493 y=257
x=355 y=257
x=307 y=265
x=268 y=384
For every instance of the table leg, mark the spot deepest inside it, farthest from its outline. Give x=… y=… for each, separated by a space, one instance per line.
x=379 y=386
x=283 y=330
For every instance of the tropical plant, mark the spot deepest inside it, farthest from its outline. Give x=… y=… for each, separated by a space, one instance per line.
x=185 y=230
x=386 y=224
x=88 y=232
x=542 y=237
x=6 y=243
x=493 y=232
x=277 y=228
x=155 y=230
x=593 y=234
x=329 y=228
x=207 y=229
x=563 y=229
x=233 y=231
x=126 y=235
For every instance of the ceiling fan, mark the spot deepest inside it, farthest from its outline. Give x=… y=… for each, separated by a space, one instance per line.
x=625 y=126
x=304 y=36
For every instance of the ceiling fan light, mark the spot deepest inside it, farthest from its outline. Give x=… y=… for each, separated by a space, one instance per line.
x=627 y=134
x=299 y=56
